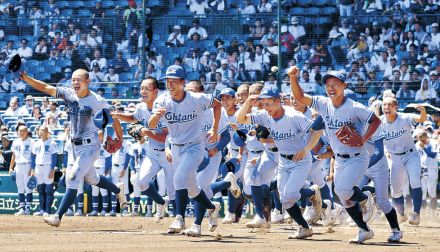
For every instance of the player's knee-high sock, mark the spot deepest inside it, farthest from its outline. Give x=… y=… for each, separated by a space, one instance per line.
x=358 y=195
x=21 y=201
x=107 y=184
x=306 y=193
x=181 y=202
x=80 y=201
x=136 y=203
x=199 y=213
x=127 y=197
x=356 y=214
x=295 y=213
x=149 y=205
x=49 y=197
x=41 y=197
x=257 y=198
x=325 y=193
x=424 y=203
x=152 y=193
x=104 y=202
x=392 y=219
x=67 y=201
x=173 y=205
x=267 y=205
x=399 y=205
x=95 y=203
x=220 y=186
x=231 y=202
x=416 y=194
x=203 y=199
x=29 y=200
x=276 y=201
x=113 y=198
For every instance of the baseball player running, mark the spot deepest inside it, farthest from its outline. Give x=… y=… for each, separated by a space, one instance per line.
x=45 y=151
x=289 y=129
x=351 y=161
x=21 y=165
x=206 y=175
x=155 y=159
x=405 y=158
x=183 y=115
x=83 y=105
x=428 y=155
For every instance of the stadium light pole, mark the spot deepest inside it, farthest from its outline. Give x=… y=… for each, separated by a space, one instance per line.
x=144 y=57
x=279 y=80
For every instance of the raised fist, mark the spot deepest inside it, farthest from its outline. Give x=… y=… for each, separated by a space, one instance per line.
x=293 y=72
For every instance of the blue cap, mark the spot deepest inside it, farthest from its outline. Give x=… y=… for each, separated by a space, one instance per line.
x=269 y=92
x=232 y=165
x=227 y=91
x=175 y=72
x=332 y=73
x=14 y=65
x=32 y=182
x=240 y=137
x=102 y=119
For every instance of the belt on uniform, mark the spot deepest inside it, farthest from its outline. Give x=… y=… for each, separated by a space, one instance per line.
x=158 y=149
x=348 y=155
x=181 y=145
x=256 y=152
x=274 y=149
x=23 y=163
x=81 y=141
x=403 y=153
x=115 y=165
x=236 y=149
x=288 y=157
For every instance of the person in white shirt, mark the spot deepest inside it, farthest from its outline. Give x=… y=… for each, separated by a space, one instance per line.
x=25 y=51
x=295 y=29
x=95 y=75
x=383 y=62
x=390 y=68
x=93 y=39
x=344 y=29
x=17 y=85
x=248 y=8
x=426 y=92
x=225 y=70
x=253 y=66
x=176 y=38
x=435 y=37
x=264 y=6
x=9 y=48
x=152 y=72
x=102 y=62
x=218 y=5
x=12 y=110
x=198 y=7
x=111 y=76
x=5 y=87
x=26 y=109
x=309 y=86
x=197 y=29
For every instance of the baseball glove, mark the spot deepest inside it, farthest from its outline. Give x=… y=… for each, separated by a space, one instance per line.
x=112 y=145
x=261 y=132
x=134 y=130
x=348 y=136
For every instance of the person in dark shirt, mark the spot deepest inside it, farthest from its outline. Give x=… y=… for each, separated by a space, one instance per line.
x=121 y=64
x=5 y=152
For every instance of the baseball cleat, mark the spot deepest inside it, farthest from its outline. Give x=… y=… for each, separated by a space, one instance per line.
x=229 y=218
x=367 y=207
x=301 y=233
x=256 y=222
x=92 y=213
x=362 y=236
x=111 y=214
x=316 y=201
x=53 y=220
x=414 y=219
x=327 y=216
x=213 y=216
x=160 y=213
x=287 y=218
x=177 y=225
x=125 y=213
x=103 y=213
x=149 y=214
x=27 y=212
x=121 y=195
x=234 y=188
x=20 y=212
x=276 y=217
x=69 y=212
x=39 y=213
x=194 y=231
x=395 y=235
x=134 y=214
x=403 y=218
x=79 y=212
x=45 y=214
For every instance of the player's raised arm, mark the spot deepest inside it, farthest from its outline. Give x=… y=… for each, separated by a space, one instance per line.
x=242 y=115
x=305 y=99
x=39 y=85
x=422 y=117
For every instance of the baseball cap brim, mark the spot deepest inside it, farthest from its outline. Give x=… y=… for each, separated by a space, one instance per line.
x=329 y=75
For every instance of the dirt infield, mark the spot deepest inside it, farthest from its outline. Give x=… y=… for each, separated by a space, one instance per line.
x=27 y=233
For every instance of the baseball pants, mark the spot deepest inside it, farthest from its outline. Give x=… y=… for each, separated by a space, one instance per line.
x=401 y=165
x=22 y=177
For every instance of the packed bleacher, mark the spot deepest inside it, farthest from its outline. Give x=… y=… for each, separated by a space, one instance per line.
x=382 y=45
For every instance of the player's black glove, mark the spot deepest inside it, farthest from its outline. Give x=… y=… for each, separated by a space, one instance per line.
x=134 y=130
x=261 y=132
